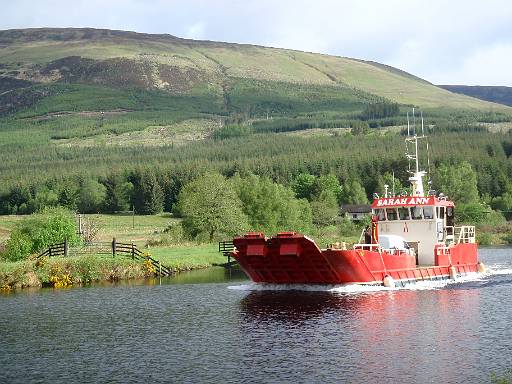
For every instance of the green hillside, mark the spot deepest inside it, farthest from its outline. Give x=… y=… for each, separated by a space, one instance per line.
x=221 y=71
x=82 y=107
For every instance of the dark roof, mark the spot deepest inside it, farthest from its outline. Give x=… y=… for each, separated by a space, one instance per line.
x=356 y=208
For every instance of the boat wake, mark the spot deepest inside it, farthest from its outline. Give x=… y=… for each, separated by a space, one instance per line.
x=358 y=288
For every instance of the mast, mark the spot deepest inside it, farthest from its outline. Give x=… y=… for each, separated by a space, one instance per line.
x=416 y=179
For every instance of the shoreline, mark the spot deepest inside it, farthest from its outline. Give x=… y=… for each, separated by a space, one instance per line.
x=78 y=270
x=61 y=272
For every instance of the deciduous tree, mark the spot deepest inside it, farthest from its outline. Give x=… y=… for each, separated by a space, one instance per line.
x=211 y=208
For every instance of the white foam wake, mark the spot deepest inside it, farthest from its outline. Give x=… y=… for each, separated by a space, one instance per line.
x=498 y=270
x=349 y=288
x=357 y=288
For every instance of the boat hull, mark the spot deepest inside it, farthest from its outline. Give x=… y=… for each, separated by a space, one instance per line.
x=291 y=258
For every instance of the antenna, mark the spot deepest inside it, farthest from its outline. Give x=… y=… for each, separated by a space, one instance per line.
x=422 y=130
x=428 y=162
x=414 y=121
x=408 y=125
x=393 y=183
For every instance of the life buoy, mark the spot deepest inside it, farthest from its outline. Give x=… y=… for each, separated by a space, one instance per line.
x=389 y=282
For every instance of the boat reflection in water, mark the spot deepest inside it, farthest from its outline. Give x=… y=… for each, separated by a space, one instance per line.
x=428 y=336
x=293 y=306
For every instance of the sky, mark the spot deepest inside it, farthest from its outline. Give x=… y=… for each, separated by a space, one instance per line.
x=445 y=42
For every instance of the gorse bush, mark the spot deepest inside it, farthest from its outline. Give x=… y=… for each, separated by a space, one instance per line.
x=35 y=233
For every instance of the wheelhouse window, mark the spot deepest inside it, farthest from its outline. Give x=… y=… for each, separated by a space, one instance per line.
x=381 y=215
x=391 y=213
x=416 y=213
x=441 y=213
x=403 y=213
x=428 y=212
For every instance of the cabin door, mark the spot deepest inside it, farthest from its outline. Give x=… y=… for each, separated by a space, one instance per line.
x=449 y=222
x=440 y=231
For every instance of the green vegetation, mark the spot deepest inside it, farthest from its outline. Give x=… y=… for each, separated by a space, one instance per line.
x=39 y=231
x=496 y=94
x=210 y=208
x=97 y=121
x=188 y=257
x=359 y=163
x=506 y=378
x=73 y=270
x=271 y=207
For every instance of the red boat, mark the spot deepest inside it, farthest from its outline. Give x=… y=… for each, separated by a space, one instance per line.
x=411 y=238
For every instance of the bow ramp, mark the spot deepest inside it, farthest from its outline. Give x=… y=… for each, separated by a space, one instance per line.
x=287 y=257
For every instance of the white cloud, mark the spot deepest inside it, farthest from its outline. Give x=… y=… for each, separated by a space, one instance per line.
x=195 y=31
x=486 y=66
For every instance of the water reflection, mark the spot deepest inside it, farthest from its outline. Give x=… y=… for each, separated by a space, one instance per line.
x=420 y=334
x=206 y=333
x=293 y=306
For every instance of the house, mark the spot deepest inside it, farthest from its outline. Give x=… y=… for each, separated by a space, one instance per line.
x=355 y=211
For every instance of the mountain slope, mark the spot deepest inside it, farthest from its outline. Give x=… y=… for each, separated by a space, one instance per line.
x=495 y=94
x=223 y=72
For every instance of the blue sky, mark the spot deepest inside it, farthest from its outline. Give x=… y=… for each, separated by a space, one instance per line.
x=445 y=42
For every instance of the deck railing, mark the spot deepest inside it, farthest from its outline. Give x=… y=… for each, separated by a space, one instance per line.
x=462 y=234
x=369 y=247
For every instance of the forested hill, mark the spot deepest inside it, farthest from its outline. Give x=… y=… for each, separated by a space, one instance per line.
x=101 y=120
x=496 y=94
x=230 y=76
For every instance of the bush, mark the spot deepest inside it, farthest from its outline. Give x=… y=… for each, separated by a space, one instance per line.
x=230 y=131
x=507 y=238
x=37 y=232
x=172 y=235
x=471 y=213
x=484 y=238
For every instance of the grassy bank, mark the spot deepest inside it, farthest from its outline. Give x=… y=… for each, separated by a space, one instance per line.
x=188 y=257
x=76 y=270
x=60 y=271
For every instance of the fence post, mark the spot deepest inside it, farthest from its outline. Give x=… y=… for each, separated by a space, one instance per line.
x=160 y=268
x=50 y=251
x=133 y=251
x=66 y=248
x=114 y=247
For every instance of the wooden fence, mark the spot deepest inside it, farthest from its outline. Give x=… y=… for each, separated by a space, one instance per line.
x=226 y=248
x=60 y=249
x=114 y=248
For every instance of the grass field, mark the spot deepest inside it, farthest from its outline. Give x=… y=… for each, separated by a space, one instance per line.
x=124 y=227
x=188 y=256
x=127 y=227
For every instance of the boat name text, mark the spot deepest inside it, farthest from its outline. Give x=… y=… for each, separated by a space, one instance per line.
x=404 y=201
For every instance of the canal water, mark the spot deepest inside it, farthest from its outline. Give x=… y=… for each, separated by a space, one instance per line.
x=213 y=326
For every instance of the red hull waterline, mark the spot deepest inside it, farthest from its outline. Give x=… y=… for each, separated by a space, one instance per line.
x=291 y=258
